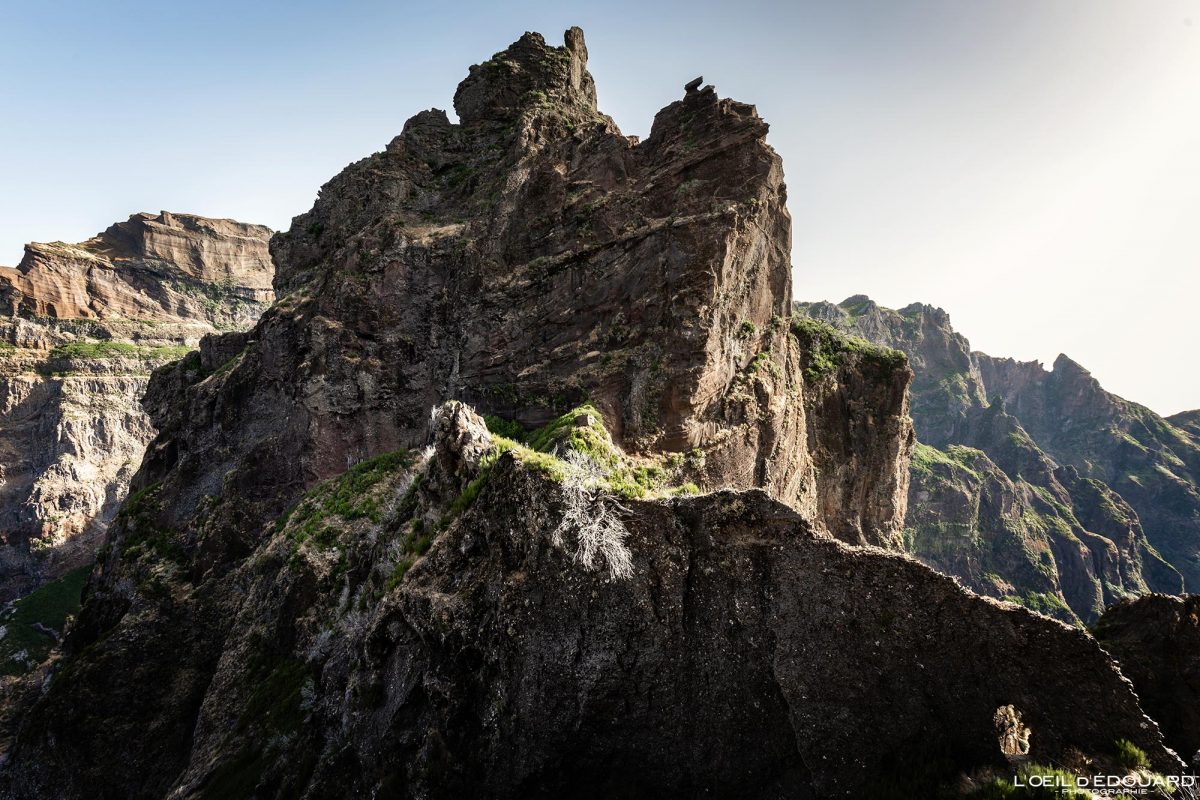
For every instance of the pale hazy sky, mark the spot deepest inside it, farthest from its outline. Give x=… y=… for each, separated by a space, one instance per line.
x=1032 y=166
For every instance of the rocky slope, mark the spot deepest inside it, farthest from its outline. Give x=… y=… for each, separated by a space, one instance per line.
x=1156 y=638
x=1002 y=499
x=540 y=639
x=1188 y=422
x=83 y=327
x=321 y=589
x=1140 y=455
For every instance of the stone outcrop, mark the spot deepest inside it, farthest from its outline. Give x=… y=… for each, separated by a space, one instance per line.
x=1156 y=639
x=710 y=644
x=860 y=439
x=171 y=268
x=84 y=326
x=319 y=589
x=1000 y=497
x=523 y=260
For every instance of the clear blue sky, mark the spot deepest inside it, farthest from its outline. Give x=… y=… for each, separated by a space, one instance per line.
x=1033 y=166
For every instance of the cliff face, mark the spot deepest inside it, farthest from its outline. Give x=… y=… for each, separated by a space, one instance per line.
x=1140 y=455
x=84 y=326
x=476 y=621
x=523 y=260
x=1156 y=639
x=179 y=268
x=320 y=589
x=1005 y=500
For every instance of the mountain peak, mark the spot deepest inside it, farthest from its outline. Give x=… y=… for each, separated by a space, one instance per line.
x=937 y=314
x=526 y=73
x=1066 y=364
x=151 y=266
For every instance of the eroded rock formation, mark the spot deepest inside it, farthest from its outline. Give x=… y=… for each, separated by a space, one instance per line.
x=302 y=599
x=389 y=638
x=83 y=327
x=1156 y=639
x=522 y=260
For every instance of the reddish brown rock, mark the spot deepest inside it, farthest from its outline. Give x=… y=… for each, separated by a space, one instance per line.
x=83 y=326
x=166 y=268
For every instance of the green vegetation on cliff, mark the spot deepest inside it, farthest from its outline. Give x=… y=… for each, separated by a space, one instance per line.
x=955 y=457
x=30 y=624
x=108 y=350
x=349 y=497
x=577 y=447
x=824 y=349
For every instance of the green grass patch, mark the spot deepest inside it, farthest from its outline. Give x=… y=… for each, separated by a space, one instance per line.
x=108 y=350
x=1042 y=602
x=824 y=349
x=956 y=457
x=544 y=450
x=567 y=433
x=582 y=431
x=23 y=647
x=508 y=428
x=1130 y=756
x=348 y=497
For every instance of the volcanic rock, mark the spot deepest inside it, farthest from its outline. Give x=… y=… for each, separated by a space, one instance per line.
x=1021 y=494
x=605 y=564
x=1156 y=640
x=84 y=326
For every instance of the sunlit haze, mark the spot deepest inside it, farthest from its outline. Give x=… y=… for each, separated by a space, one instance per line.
x=1031 y=166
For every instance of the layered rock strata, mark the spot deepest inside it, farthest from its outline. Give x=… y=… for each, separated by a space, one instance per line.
x=621 y=576
x=83 y=327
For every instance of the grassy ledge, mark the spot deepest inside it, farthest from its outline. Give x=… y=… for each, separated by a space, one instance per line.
x=825 y=349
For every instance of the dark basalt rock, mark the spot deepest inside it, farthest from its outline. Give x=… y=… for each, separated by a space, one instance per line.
x=1156 y=639
x=302 y=599
x=711 y=645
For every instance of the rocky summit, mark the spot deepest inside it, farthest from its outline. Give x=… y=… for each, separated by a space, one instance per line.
x=529 y=485
x=81 y=328
x=1032 y=485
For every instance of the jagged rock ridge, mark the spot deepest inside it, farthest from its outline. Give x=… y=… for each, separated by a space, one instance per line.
x=302 y=600
x=83 y=327
x=522 y=260
x=409 y=643
x=1156 y=639
x=1042 y=488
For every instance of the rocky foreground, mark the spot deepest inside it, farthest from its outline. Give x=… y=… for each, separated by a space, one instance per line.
x=82 y=327
x=1156 y=638
x=529 y=486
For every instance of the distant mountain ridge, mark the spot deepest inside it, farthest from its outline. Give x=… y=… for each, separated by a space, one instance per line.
x=1033 y=485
